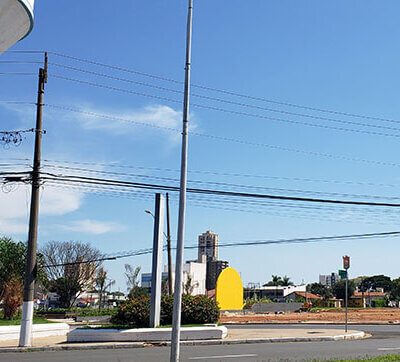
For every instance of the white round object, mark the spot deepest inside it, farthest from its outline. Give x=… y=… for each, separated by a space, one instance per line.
x=16 y=21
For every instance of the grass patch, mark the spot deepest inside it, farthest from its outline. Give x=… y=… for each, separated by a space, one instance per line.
x=17 y=321
x=386 y=358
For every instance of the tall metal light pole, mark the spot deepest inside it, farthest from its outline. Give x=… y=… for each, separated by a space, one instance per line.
x=176 y=321
x=31 y=265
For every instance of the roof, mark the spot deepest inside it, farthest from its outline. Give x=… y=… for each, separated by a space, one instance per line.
x=370 y=294
x=307 y=295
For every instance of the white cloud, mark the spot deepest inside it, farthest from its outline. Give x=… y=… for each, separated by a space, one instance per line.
x=14 y=210
x=92 y=227
x=159 y=118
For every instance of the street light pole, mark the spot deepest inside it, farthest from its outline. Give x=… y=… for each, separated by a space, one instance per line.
x=175 y=338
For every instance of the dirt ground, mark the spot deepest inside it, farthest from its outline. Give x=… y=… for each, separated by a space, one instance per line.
x=355 y=316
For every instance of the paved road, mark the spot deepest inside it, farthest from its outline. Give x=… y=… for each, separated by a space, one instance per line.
x=386 y=339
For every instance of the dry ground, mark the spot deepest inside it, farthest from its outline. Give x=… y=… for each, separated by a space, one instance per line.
x=363 y=316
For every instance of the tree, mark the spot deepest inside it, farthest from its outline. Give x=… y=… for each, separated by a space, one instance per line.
x=72 y=268
x=12 y=273
x=12 y=262
x=376 y=281
x=286 y=281
x=189 y=286
x=102 y=284
x=319 y=289
x=277 y=280
x=67 y=289
x=395 y=292
x=339 y=289
x=132 y=282
x=12 y=297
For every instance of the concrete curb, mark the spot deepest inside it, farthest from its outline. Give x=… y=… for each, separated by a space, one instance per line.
x=71 y=347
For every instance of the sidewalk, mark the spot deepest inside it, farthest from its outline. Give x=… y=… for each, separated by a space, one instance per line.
x=235 y=336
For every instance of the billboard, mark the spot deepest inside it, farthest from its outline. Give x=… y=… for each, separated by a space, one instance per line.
x=16 y=21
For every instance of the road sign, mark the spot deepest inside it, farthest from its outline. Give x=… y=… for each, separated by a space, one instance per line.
x=346 y=262
x=343 y=274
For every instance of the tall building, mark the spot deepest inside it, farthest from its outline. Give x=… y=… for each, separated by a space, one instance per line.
x=208 y=246
x=329 y=280
x=208 y=253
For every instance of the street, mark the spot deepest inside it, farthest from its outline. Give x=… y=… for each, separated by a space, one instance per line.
x=385 y=340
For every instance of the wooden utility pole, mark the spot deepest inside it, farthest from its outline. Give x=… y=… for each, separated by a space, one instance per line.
x=31 y=265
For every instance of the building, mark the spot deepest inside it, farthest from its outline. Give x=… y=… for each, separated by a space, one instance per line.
x=208 y=253
x=293 y=296
x=214 y=269
x=208 y=246
x=192 y=270
x=329 y=280
x=274 y=292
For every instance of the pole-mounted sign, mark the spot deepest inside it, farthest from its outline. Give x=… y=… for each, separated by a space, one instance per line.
x=346 y=262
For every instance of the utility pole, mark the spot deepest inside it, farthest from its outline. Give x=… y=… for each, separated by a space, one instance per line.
x=31 y=265
x=346 y=266
x=169 y=248
x=176 y=321
x=156 y=271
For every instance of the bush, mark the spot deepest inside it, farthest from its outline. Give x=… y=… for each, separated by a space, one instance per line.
x=249 y=302
x=134 y=312
x=195 y=310
x=12 y=298
x=379 y=303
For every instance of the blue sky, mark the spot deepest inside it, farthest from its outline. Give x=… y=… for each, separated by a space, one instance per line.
x=341 y=56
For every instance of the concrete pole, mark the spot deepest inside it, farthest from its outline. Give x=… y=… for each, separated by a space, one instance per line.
x=25 y=335
x=176 y=321
x=156 y=270
x=346 y=300
x=170 y=290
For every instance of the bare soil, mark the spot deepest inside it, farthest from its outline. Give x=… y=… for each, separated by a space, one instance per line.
x=355 y=316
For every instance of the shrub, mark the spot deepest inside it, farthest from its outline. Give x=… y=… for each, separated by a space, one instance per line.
x=12 y=298
x=134 y=312
x=379 y=303
x=195 y=310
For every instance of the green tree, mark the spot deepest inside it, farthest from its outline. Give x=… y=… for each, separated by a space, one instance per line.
x=339 y=289
x=277 y=280
x=132 y=282
x=12 y=261
x=376 y=281
x=394 y=294
x=102 y=284
x=67 y=290
x=320 y=289
x=12 y=273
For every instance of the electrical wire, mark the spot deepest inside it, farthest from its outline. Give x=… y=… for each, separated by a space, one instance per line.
x=240 y=113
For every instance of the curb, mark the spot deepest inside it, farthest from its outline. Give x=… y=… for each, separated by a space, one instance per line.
x=353 y=336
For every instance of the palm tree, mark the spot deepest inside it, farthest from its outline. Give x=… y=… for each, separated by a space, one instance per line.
x=276 y=280
x=102 y=284
x=285 y=281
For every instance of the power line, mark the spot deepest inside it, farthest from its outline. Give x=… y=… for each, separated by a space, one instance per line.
x=230 y=174
x=120 y=255
x=111 y=182
x=229 y=139
x=226 y=92
x=224 y=100
x=240 y=113
x=224 y=183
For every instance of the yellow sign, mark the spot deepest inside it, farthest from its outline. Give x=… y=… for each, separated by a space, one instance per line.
x=229 y=290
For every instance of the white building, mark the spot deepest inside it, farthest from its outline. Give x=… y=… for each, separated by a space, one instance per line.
x=196 y=271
